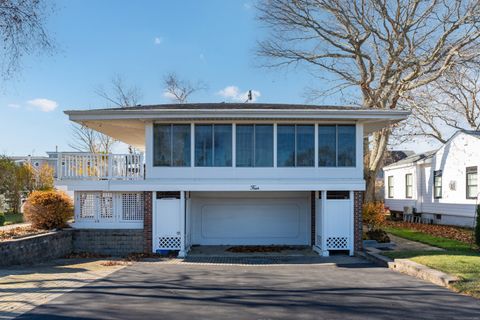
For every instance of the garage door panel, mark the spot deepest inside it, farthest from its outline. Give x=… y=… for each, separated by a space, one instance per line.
x=250 y=221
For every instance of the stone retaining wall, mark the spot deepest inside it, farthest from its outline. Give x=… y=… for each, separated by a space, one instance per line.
x=36 y=248
x=57 y=244
x=115 y=242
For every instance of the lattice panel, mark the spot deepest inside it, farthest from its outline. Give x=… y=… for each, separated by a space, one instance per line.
x=106 y=205
x=169 y=243
x=337 y=243
x=87 y=205
x=133 y=205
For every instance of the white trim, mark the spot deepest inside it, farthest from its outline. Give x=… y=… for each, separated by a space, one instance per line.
x=182 y=253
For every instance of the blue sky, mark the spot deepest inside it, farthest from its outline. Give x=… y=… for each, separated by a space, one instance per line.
x=213 y=41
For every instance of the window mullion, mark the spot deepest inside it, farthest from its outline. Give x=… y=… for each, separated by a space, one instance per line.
x=171 y=145
x=213 y=145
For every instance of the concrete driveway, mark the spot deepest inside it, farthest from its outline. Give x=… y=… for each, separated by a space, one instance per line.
x=334 y=288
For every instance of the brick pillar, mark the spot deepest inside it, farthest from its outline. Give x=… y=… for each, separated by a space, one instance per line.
x=357 y=223
x=147 y=221
x=313 y=216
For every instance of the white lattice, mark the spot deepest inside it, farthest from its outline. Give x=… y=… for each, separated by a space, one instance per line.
x=338 y=243
x=106 y=205
x=169 y=243
x=132 y=206
x=87 y=206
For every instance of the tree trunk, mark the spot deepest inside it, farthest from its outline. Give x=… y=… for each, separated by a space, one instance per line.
x=370 y=178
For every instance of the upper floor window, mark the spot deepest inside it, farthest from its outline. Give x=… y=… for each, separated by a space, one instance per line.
x=437 y=184
x=295 y=145
x=213 y=145
x=408 y=185
x=254 y=145
x=472 y=182
x=390 y=186
x=171 y=145
x=336 y=145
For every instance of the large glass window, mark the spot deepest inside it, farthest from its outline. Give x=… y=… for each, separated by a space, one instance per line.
x=254 y=145
x=336 y=145
x=171 y=145
x=408 y=185
x=295 y=145
x=472 y=182
x=390 y=186
x=213 y=145
x=437 y=184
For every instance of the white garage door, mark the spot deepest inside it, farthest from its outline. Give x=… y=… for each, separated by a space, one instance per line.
x=250 y=221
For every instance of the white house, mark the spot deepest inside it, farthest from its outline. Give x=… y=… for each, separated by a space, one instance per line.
x=442 y=185
x=226 y=174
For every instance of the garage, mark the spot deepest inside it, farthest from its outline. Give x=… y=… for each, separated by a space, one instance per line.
x=245 y=218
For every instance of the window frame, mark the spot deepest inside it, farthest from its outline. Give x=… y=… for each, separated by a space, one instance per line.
x=336 y=126
x=254 y=144
x=213 y=145
x=408 y=187
x=390 y=187
x=295 y=145
x=170 y=126
x=468 y=171
x=437 y=174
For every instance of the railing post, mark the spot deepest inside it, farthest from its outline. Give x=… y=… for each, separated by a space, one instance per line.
x=110 y=166
x=59 y=166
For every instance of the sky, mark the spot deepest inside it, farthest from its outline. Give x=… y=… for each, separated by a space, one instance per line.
x=213 y=41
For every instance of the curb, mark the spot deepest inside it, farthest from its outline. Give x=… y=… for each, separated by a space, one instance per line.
x=411 y=268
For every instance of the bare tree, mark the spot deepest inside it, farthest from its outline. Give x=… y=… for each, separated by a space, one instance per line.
x=382 y=49
x=22 y=31
x=179 y=90
x=119 y=94
x=449 y=104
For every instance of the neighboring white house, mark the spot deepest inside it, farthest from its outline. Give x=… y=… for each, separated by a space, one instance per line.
x=37 y=161
x=226 y=174
x=442 y=185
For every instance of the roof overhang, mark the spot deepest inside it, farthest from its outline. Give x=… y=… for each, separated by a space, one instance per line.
x=128 y=125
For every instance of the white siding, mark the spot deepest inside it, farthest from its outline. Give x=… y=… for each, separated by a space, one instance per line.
x=399 y=199
x=453 y=158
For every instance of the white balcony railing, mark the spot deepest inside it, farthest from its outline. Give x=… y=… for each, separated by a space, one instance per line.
x=91 y=166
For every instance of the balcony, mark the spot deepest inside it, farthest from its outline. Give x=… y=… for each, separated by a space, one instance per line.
x=91 y=166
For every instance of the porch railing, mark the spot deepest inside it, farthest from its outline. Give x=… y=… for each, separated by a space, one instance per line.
x=91 y=166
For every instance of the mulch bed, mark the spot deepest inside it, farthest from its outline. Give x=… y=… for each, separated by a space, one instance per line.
x=249 y=249
x=19 y=232
x=455 y=233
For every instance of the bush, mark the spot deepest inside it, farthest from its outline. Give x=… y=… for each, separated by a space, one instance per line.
x=48 y=209
x=379 y=235
x=2 y=218
x=477 y=227
x=373 y=215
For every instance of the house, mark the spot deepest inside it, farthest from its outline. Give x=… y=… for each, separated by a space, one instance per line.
x=441 y=185
x=391 y=156
x=224 y=174
x=37 y=161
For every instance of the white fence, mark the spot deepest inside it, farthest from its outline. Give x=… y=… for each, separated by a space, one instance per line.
x=91 y=166
x=105 y=209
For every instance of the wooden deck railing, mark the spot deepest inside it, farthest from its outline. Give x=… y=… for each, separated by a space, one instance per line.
x=91 y=166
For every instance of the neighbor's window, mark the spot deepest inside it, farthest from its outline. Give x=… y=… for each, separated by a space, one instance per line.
x=437 y=184
x=213 y=145
x=472 y=182
x=336 y=145
x=408 y=185
x=390 y=186
x=254 y=145
x=295 y=145
x=171 y=145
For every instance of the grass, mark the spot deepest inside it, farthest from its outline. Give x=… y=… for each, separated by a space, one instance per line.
x=458 y=259
x=12 y=218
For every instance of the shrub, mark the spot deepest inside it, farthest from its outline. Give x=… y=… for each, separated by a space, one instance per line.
x=477 y=227
x=2 y=218
x=373 y=215
x=379 y=235
x=48 y=209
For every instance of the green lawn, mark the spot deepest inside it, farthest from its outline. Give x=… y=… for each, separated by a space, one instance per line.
x=12 y=218
x=458 y=258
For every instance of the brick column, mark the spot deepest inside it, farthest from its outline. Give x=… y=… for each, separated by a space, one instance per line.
x=357 y=223
x=147 y=221
x=313 y=216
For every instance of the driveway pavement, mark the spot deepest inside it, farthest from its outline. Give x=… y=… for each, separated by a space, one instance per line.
x=334 y=288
